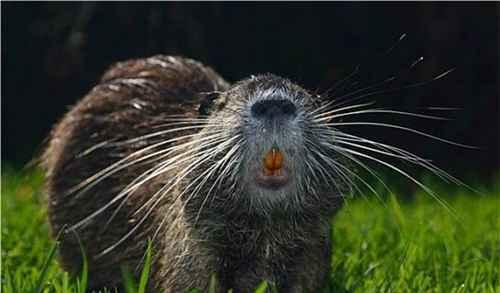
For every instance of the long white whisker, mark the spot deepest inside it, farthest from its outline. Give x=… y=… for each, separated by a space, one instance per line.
x=185 y=156
x=163 y=132
x=114 y=168
x=401 y=128
x=337 y=84
x=135 y=153
x=134 y=185
x=418 y=160
x=336 y=110
x=421 y=185
x=175 y=122
x=364 y=166
x=168 y=165
x=324 y=173
x=406 y=158
x=186 y=171
x=202 y=159
x=330 y=162
x=370 y=111
x=196 y=180
x=220 y=163
x=203 y=177
x=375 y=85
x=418 y=84
x=415 y=160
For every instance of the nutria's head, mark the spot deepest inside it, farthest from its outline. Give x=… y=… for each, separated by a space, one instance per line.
x=274 y=150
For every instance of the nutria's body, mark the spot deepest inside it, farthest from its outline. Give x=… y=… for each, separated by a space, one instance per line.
x=240 y=225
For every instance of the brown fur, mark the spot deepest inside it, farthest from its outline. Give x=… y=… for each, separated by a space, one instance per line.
x=242 y=249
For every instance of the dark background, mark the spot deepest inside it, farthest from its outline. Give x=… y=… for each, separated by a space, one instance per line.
x=53 y=53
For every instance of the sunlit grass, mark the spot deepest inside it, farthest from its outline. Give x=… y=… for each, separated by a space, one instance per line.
x=405 y=244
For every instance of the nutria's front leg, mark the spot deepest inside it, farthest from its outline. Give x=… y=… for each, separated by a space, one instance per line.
x=306 y=271
x=313 y=269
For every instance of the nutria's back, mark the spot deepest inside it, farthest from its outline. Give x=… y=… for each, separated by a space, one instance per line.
x=225 y=180
x=131 y=98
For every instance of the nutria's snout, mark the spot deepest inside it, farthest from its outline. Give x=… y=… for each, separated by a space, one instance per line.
x=274 y=116
x=274 y=134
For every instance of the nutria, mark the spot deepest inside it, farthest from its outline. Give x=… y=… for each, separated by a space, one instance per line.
x=232 y=181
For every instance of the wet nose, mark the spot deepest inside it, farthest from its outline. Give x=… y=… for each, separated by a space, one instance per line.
x=273 y=109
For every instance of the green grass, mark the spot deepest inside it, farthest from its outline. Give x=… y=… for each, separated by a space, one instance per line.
x=410 y=245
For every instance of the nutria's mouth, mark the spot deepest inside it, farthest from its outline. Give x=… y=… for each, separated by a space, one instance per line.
x=273 y=173
x=272 y=181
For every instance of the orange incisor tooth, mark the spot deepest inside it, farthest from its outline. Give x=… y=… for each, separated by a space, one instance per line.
x=273 y=161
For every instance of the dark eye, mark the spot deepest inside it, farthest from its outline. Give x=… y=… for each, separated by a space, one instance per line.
x=210 y=103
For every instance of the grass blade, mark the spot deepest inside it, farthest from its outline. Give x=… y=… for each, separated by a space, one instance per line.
x=212 y=286
x=128 y=281
x=82 y=282
x=43 y=275
x=145 y=270
x=261 y=288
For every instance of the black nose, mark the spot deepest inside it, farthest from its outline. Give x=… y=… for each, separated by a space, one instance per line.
x=273 y=109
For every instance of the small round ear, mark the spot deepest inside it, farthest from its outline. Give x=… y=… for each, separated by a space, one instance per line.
x=211 y=102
